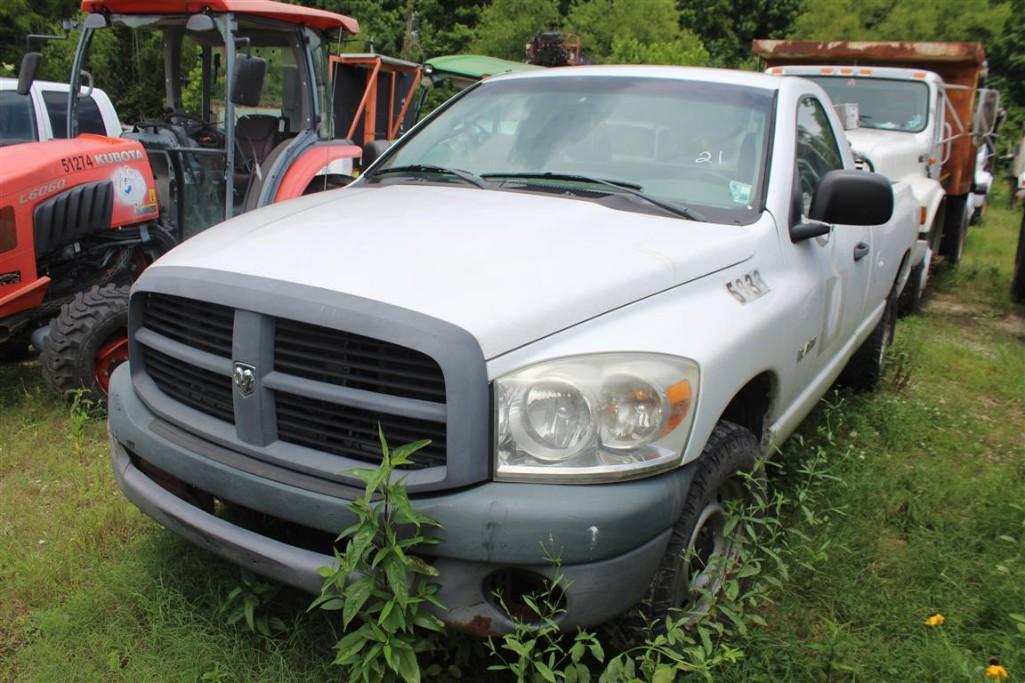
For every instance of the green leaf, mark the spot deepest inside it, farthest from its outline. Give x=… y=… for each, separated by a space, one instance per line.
x=356 y=595
x=596 y=651
x=250 y=613
x=402 y=454
x=328 y=602
x=735 y=618
x=664 y=674
x=395 y=572
x=409 y=668
x=420 y=567
x=545 y=672
x=351 y=644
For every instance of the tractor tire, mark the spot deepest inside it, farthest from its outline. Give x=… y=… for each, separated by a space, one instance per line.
x=955 y=230
x=864 y=370
x=685 y=577
x=87 y=340
x=1018 y=278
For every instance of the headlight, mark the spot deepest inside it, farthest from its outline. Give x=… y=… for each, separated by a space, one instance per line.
x=593 y=418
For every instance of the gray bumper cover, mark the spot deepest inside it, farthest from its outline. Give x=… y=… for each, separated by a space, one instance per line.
x=610 y=538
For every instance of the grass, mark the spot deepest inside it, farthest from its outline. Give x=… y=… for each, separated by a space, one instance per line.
x=921 y=508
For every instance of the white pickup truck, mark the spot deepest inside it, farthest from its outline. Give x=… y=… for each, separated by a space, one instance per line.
x=602 y=292
x=40 y=114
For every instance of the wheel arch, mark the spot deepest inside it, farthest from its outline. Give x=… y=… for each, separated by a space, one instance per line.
x=751 y=406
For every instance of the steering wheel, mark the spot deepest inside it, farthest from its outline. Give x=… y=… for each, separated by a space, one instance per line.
x=204 y=133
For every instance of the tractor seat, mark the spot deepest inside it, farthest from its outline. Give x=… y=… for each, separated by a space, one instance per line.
x=257 y=135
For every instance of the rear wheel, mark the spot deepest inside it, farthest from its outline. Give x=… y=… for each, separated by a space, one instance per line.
x=700 y=554
x=87 y=341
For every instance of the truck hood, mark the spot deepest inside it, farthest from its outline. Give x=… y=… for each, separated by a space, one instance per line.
x=508 y=267
x=892 y=153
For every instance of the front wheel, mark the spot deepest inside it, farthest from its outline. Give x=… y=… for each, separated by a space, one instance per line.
x=955 y=230
x=700 y=554
x=87 y=341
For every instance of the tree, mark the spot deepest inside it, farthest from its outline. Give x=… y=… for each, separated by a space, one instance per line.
x=600 y=22
x=727 y=27
x=506 y=25
x=687 y=50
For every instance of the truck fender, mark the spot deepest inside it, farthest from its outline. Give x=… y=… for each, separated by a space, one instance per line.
x=930 y=194
x=323 y=157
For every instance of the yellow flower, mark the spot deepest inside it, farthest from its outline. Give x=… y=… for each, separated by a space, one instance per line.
x=996 y=670
x=935 y=619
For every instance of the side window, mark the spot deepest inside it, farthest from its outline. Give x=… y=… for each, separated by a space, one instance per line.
x=817 y=151
x=90 y=120
x=17 y=121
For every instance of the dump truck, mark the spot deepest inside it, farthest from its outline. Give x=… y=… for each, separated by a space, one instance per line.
x=918 y=120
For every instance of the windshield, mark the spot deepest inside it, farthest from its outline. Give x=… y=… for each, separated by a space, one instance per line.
x=689 y=143
x=885 y=104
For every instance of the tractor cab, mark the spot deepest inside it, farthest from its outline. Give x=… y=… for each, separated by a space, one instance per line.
x=244 y=86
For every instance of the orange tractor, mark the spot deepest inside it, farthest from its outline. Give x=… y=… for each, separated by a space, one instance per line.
x=246 y=122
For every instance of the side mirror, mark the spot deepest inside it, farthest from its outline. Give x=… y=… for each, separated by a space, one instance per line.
x=200 y=23
x=372 y=151
x=96 y=20
x=247 y=83
x=27 y=72
x=848 y=198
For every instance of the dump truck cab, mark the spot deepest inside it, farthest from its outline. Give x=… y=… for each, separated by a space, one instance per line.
x=917 y=122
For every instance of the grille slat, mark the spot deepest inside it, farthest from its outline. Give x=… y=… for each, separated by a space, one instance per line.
x=199 y=389
x=352 y=431
x=198 y=324
x=351 y=360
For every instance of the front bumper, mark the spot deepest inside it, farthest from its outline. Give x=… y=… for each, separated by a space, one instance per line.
x=608 y=538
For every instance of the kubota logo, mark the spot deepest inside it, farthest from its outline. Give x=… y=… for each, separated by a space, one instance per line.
x=107 y=158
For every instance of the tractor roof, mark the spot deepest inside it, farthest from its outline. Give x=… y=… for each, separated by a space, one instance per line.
x=293 y=14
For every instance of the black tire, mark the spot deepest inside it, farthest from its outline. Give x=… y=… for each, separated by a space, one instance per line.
x=90 y=321
x=1018 y=278
x=913 y=296
x=864 y=370
x=955 y=229
x=731 y=452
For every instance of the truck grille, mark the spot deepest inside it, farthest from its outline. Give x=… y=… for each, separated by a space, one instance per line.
x=345 y=430
x=197 y=388
x=351 y=360
x=195 y=336
x=198 y=324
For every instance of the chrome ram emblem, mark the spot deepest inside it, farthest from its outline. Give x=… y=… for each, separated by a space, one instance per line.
x=244 y=378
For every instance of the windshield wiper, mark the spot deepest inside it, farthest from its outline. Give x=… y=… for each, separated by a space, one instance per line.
x=621 y=185
x=466 y=176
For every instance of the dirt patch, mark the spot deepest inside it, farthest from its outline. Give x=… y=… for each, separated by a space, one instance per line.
x=1009 y=323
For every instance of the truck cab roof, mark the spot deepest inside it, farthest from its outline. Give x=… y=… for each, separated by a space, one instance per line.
x=748 y=79
x=887 y=72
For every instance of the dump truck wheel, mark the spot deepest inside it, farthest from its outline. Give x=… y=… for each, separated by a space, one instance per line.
x=955 y=230
x=87 y=341
x=700 y=554
x=914 y=291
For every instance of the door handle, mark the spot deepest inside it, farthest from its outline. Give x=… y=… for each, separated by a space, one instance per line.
x=861 y=251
